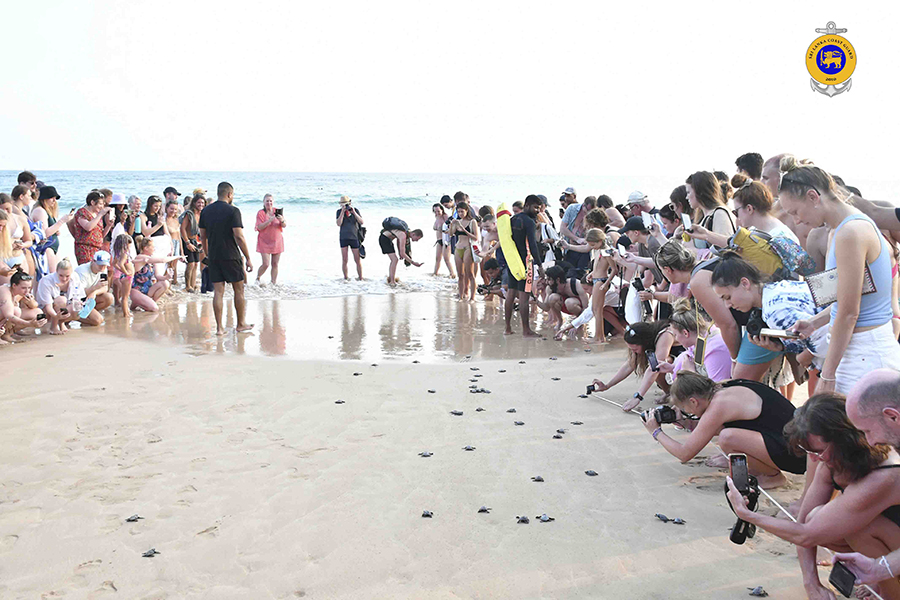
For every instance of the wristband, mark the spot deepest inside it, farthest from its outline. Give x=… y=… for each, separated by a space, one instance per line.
x=656 y=433
x=638 y=396
x=823 y=378
x=883 y=561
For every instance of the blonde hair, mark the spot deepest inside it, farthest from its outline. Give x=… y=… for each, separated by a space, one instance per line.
x=686 y=317
x=64 y=265
x=5 y=240
x=675 y=256
x=595 y=236
x=52 y=212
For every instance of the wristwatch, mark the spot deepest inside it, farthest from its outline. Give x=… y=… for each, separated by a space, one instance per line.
x=638 y=396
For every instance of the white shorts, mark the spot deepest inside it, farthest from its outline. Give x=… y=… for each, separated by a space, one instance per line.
x=867 y=351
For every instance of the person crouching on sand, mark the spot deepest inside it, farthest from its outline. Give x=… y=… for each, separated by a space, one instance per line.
x=392 y=229
x=748 y=417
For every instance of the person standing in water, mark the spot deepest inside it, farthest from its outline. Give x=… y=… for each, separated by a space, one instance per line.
x=222 y=237
x=270 y=242
x=523 y=234
x=392 y=229
x=349 y=220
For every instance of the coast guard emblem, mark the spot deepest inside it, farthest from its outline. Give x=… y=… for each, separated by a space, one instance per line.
x=830 y=60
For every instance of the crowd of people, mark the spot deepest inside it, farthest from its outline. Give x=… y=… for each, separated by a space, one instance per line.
x=728 y=297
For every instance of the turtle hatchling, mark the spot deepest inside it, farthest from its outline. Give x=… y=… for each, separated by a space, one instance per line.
x=560 y=431
x=518 y=422
x=679 y=521
x=484 y=509
x=468 y=448
x=537 y=479
x=511 y=410
x=557 y=436
x=150 y=553
x=456 y=413
x=523 y=520
x=502 y=371
x=758 y=591
x=552 y=358
x=590 y=473
x=479 y=409
x=582 y=395
x=577 y=423
x=338 y=401
x=544 y=518
x=357 y=374
x=133 y=518
x=521 y=362
x=477 y=375
x=426 y=454
x=474 y=369
x=432 y=391
x=415 y=362
x=427 y=514
x=662 y=517
x=555 y=378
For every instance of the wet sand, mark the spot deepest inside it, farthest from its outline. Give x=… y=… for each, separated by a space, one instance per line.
x=254 y=483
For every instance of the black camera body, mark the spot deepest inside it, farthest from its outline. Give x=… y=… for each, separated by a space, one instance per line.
x=755 y=323
x=742 y=529
x=663 y=414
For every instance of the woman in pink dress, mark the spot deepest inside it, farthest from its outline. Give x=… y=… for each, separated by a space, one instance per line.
x=270 y=243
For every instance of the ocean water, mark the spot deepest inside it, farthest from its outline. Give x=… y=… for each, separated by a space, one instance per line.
x=311 y=263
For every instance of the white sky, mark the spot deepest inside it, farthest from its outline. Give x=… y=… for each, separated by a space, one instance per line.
x=464 y=87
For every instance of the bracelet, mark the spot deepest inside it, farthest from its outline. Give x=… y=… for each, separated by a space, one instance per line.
x=883 y=561
x=658 y=431
x=823 y=378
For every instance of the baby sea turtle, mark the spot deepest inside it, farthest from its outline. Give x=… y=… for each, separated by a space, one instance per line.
x=544 y=518
x=577 y=423
x=338 y=401
x=427 y=514
x=511 y=410
x=484 y=509
x=415 y=362
x=468 y=356
x=473 y=386
x=502 y=371
x=662 y=517
x=477 y=375
x=758 y=591
x=560 y=431
x=48 y=356
x=357 y=374
x=473 y=381
x=523 y=520
x=133 y=518
x=456 y=413
x=426 y=454
x=468 y=448
x=587 y=349
x=538 y=479
x=330 y=337
x=590 y=473
x=582 y=395
x=521 y=362
x=479 y=409
x=374 y=364
x=150 y=553
x=679 y=521
x=484 y=391
x=555 y=378
x=473 y=391
x=432 y=391
x=518 y=422
x=474 y=369
x=557 y=436
x=552 y=358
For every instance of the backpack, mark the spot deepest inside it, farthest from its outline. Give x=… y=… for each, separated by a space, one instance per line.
x=393 y=224
x=776 y=257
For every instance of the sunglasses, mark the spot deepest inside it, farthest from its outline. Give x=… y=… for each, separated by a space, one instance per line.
x=816 y=454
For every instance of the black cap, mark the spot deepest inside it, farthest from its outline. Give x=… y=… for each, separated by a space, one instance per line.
x=48 y=191
x=171 y=190
x=39 y=184
x=543 y=199
x=634 y=224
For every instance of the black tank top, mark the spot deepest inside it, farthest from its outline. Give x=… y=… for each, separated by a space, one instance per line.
x=774 y=414
x=152 y=220
x=892 y=513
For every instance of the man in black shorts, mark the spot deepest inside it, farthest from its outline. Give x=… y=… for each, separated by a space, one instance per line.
x=222 y=237
x=396 y=229
x=523 y=234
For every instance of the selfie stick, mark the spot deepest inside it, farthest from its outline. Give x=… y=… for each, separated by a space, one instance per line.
x=764 y=492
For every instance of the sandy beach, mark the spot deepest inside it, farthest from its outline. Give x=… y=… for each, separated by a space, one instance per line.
x=253 y=483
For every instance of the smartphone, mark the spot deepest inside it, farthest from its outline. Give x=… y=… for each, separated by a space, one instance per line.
x=654 y=363
x=699 y=350
x=779 y=333
x=842 y=579
x=279 y=211
x=104 y=277
x=739 y=472
x=647 y=219
x=606 y=252
x=620 y=251
x=41 y=316
x=686 y=221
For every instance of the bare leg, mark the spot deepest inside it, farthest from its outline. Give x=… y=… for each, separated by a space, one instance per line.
x=51 y=259
x=758 y=460
x=240 y=307
x=263 y=268
x=525 y=314
x=880 y=537
x=344 y=252
x=463 y=276
x=358 y=260
x=141 y=300
x=218 y=300
x=438 y=256
x=508 y=309
x=392 y=270
x=469 y=266
x=274 y=273
x=158 y=289
x=448 y=261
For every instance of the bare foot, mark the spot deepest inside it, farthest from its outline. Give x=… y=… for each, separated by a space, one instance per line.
x=529 y=334
x=220 y=332
x=768 y=482
x=508 y=332
x=717 y=462
x=244 y=328
x=631 y=404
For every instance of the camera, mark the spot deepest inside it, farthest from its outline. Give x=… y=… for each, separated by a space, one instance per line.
x=591 y=389
x=663 y=414
x=755 y=323
x=482 y=289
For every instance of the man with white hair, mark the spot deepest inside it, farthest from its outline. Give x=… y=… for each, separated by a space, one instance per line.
x=873 y=406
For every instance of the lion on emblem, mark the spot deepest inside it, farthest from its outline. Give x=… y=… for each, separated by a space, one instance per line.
x=832 y=58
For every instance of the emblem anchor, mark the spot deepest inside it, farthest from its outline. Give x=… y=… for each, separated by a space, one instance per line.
x=830 y=90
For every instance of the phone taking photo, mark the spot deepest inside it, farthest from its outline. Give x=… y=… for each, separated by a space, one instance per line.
x=740 y=474
x=686 y=221
x=651 y=358
x=647 y=219
x=779 y=333
x=842 y=579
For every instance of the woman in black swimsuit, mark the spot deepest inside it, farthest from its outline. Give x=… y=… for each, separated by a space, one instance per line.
x=748 y=417
x=864 y=517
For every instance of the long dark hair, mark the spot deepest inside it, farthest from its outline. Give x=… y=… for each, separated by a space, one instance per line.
x=825 y=415
x=643 y=335
x=731 y=268
x=706 y=189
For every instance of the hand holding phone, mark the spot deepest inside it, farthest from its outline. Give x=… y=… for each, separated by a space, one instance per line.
x=647 y=220
x=686 y=222
x=842 y=579
x=740 y=474
x=779 y=333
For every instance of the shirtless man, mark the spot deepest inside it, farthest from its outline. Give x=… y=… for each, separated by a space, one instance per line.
x=13 y=316
x=396 y=229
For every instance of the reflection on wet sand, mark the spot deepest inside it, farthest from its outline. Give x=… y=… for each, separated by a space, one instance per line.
x=369 y=328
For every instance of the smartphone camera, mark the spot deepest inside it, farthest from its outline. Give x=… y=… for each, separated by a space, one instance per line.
x=104 y=277
x=651 y=358
x=842 y=579
x=41 y=316
x=591 y=389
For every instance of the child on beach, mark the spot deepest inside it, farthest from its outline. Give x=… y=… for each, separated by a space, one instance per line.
x=123 y=271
